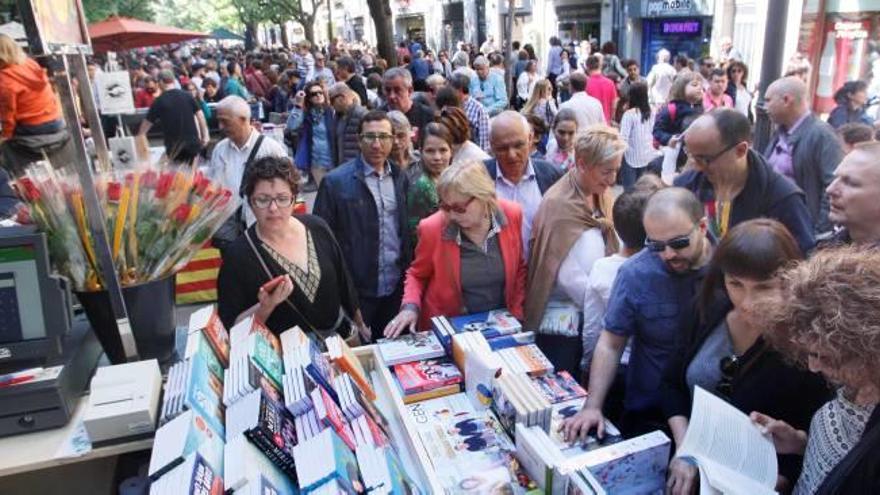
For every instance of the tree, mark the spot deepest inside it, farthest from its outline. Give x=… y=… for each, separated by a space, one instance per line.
x=197 y=15
x=252 y=13
x=380 y=11
x=301 y=11
x=98 y=10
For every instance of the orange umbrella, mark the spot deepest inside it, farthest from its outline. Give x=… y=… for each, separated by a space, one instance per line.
x=122 y=33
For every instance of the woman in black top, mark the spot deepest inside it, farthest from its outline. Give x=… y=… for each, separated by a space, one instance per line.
x=725 y=352
x=316 y=292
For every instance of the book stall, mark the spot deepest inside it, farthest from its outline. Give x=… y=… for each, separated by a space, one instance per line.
x=472 y=407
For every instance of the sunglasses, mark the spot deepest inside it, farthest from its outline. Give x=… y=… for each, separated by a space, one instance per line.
x=676 y=243
x=729 y=366
x=460 y=209
x=315 y=93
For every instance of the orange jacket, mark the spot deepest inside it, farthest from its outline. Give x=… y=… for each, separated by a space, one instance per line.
x=433 y=280
x=26 y=97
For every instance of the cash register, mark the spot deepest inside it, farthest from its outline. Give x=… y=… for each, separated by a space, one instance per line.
x=46 y=354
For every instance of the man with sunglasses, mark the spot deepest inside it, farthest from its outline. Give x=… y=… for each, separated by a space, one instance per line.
x=734 y=183
x=364 y=202
x=651 y=298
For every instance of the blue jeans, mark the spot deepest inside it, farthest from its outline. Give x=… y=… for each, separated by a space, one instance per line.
x=629 y=175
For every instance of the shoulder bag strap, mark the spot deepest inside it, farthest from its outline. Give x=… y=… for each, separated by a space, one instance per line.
x=250 y=159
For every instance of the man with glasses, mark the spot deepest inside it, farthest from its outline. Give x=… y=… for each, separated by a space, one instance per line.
x=804 y=149
x=651 y=298
x=734 y=183
x=518 y=177
x=364 y=203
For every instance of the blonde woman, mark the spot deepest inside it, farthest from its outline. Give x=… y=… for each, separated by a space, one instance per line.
x=29 y=110
x=541 y=103
x=469 y=256
x=572 y=230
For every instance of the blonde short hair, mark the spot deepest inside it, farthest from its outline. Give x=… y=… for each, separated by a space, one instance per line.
x=10 y=52
x=597 y=144
x=469 y=179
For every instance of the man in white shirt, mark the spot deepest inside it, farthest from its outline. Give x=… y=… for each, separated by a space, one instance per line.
x=231 y=154
x=660 y=78
x=587 y=109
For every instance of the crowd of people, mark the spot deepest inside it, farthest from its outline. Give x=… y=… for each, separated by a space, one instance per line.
x=442 y=191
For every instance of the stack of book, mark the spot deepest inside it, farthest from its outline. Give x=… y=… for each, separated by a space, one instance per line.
x=525 y=359
x=517 y=401
x=427 y=379
x=180 y=437
x=193 y=385
x=344 y=359
x=254 y=362
x=327 y=465
x=305 y=369
x=491 y=324
x=249 y=472
x=382 y=472
x=268 y=425
x=193 y=475
x=566 y=409
x=188 y=446
x=410 y=347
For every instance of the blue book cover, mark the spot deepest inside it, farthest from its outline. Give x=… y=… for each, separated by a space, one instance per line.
x=318 y=368
x=204 y=392
x=512 y=340
x=491 y=324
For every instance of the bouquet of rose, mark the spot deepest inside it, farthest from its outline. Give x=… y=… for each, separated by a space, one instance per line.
x=156 y=218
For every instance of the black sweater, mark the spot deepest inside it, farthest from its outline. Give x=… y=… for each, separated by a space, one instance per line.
x=767 y=384
x=241 y=276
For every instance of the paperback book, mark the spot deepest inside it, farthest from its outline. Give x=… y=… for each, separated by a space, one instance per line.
x=249 y=472
x=410 y=347
x=325 y=459
x=191 y=385
x=207 y=321
x=193 y=476
x=180 y=437
x=490 y=323
x=266 y=424
x=559 y=387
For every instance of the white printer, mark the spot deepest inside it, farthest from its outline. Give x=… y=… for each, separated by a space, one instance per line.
x=124 y=401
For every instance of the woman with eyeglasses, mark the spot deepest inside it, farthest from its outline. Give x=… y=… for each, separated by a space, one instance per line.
x=463 y=149
x=315 y=291
x=402 y=153
x=827 y=321
x=725 y=351
x=312 y=118
x=469 y=257
x=572 y=229
x=422 y=199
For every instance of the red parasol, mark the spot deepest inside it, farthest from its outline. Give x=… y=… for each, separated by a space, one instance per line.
x=122 y=33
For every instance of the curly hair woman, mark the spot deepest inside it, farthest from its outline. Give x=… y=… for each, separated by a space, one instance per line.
x=828 y=320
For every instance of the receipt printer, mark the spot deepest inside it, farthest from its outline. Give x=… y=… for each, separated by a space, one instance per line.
x=124 y=401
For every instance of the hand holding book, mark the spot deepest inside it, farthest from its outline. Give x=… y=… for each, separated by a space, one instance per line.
x=579 y=426
x=786 y=438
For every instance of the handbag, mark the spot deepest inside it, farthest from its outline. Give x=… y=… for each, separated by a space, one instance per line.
x=342 y=320
x=234 y=226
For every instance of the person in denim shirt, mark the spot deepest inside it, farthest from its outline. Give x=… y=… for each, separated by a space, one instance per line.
x=651 y=297
x=312 y=117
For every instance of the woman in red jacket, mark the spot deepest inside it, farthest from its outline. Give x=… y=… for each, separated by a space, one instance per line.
x=469 y=257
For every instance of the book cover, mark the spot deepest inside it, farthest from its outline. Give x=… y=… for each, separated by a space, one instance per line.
x=432 y=394
x=630 y=467
x=207 y=321
x=203 y=479
x=266 y=357
x=460 y=440
x=203 y=392
x=425 y=375
x=318 y=368
x=567 y=409
x=513 y=340
x=491 y=324
x=559 y=387
x=326 y=458
x=330 y=415
x=197 y=343
x=250 y=471
x=180 y=437
x=410 y=347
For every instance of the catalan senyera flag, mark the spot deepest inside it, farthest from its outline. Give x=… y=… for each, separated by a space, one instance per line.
x=197 y=282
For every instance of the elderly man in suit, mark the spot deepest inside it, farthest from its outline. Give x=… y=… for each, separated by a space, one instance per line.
x=517 y=177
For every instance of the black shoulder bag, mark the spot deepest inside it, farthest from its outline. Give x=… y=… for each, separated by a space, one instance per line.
x=234 y=226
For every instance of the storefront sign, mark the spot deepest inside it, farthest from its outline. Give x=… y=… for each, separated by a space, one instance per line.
x=681 y=27
x=672 y=8
x=850 y=30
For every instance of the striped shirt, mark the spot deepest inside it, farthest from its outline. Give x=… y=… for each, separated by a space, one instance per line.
x=637 y=134
x=478 y=118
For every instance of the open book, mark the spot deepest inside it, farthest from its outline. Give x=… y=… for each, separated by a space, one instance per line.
x=732 y=455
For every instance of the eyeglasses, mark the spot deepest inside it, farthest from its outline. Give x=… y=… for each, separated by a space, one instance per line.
x=460 y=209
x=263 y=202
x=315 y=93
x=707 y=160
x=374 y=138
x=676 y=243
x=729 y=366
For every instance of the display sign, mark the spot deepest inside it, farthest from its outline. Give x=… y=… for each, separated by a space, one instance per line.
x=675 y=8
x=114 y=93
x=55 y=26
x=690 y=26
